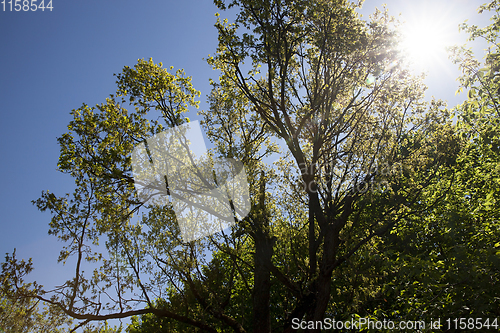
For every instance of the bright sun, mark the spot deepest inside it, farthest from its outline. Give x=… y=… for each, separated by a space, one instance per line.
x=424 y=43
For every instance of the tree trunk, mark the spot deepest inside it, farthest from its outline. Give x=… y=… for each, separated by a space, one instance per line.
x=262 y=264
x=262 y=284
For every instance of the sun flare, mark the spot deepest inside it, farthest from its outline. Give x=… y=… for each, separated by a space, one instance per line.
x=424 y=43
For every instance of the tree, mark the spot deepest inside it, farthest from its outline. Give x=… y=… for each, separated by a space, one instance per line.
x=24 y=314
x=307 y=83
x=472 y=211
x=317 y=95
x=446 y=263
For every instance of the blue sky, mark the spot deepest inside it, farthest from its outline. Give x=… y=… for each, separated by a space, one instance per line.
x=52 y=62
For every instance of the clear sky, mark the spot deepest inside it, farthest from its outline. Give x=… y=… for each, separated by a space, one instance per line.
x=53 y=61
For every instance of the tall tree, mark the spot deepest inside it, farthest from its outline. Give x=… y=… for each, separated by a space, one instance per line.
x=329 y=86
x=446 y=263
x=306 y=83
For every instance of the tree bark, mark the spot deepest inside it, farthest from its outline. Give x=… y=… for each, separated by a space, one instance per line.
x=262 y=264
